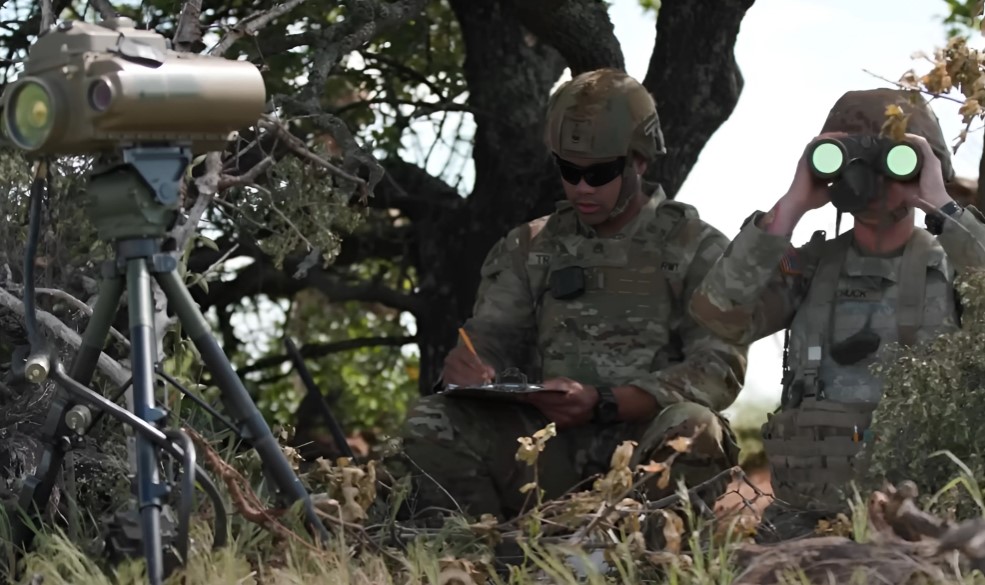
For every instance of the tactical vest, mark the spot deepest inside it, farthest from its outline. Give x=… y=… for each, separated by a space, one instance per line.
x=607 y=307
x=827 y=407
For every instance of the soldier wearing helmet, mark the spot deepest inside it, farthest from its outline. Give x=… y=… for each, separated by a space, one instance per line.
x=596 y=293
x=845 y=302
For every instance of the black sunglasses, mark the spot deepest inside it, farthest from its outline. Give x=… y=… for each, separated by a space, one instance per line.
x=595 y=175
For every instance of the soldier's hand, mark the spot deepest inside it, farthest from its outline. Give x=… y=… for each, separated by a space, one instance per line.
x=570 y=404
x=463 y=368
x=807 y=192
x=928 y=192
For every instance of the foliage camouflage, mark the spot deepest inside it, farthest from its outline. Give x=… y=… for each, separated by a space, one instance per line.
x=934 y=401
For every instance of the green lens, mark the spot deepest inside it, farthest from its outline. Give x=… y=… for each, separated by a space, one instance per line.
x=827 y=158
x=32 y=114
x=901 y=160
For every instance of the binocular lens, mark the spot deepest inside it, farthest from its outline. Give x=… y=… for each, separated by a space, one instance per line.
x=827 y=158
x=902 y=161
x=31 y=118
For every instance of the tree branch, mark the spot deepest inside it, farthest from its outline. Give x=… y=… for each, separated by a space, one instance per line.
x=113 y=370
x=414 y=191
x=251 y=24
x=104 y=8
x=262 y=277
x=579 y=29
x=206 y=187
x=78 y=304
x=188 y=32
x=299 y=148
x=317 y=350
x=47 y=16
x=695 y=50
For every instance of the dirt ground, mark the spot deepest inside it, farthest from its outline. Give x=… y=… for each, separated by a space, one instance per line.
x=739 y=492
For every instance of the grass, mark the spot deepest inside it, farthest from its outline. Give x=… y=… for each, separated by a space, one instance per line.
x=458 y=553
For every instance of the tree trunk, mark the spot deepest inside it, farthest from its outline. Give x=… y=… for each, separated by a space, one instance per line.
x=510 y=76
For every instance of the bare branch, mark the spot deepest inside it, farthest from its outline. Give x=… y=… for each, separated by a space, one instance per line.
x=189 y=31
x=247 y=178
x=302 y=150
x=263 y=277
x=113 y=370
x=47 y=16
x=251 y=24
x=207 y=185
x=317 y=350
x=104 y=8
x=78 y=304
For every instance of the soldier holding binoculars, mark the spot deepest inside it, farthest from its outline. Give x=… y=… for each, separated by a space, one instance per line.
x=843 y=300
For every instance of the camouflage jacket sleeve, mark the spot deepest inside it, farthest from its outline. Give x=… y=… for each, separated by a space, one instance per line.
x=963 y=240
x=754 y=289
x=713 y=369
x=504 y=314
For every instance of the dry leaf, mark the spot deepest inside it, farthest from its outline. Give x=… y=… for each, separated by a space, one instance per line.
x=527 y=487
x=652 y=467
x=673 y=530
x=680 y=444
x=622 y=455
x=527 y=451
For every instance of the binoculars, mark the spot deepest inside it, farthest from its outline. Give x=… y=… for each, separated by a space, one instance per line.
x=897 y=160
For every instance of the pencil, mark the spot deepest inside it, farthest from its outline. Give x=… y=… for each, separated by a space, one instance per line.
x=468 y=342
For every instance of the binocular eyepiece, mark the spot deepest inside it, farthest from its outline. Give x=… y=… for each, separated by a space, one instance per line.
x=898 y=160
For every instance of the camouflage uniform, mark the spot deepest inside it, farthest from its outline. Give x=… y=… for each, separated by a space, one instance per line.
x=629 y=326
x=841 y=309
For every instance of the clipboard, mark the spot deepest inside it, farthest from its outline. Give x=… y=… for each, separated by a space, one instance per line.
x=508 y=386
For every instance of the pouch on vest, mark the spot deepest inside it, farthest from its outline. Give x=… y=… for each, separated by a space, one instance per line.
x=567 y=283
x=856 y=348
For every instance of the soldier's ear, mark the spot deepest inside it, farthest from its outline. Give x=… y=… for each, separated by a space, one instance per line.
x=640 y=163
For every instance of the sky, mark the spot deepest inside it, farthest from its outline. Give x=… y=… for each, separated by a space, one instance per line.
x=797 y=57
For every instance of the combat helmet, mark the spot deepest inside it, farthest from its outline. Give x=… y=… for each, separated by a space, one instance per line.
x=602 y=114
x=864 y=112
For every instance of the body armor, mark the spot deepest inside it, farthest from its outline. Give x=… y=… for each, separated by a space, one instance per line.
x=856 y=310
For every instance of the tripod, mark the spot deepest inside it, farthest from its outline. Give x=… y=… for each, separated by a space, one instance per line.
x=133 y=202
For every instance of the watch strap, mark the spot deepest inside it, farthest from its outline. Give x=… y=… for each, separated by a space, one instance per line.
x=606 y=409
x=935 y=221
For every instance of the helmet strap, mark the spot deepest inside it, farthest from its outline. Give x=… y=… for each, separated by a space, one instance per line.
x=630 y=185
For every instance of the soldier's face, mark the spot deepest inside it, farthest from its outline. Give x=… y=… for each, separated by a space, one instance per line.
x=592 y=185
x=895 y=195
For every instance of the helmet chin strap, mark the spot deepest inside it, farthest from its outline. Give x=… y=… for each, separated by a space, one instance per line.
x=630 y=185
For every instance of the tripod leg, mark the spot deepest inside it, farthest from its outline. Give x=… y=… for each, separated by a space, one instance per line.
x=94 y=337
x=36 y=489
x=149 y=487
x=235 y=396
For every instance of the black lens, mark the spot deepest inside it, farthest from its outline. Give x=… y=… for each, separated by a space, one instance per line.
x=595 y=175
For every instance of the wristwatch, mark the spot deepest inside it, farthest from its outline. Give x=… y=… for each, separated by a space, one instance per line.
x=935 y=221
x=606 y=409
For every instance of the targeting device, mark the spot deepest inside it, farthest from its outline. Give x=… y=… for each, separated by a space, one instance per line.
x=94 y=87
